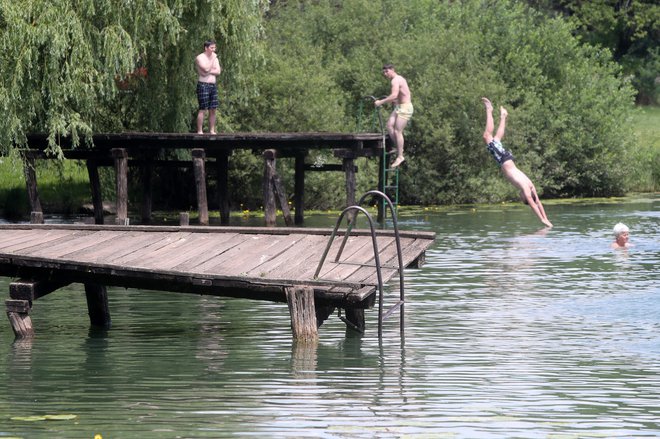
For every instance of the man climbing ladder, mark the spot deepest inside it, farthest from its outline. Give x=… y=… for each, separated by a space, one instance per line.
x=403 y=110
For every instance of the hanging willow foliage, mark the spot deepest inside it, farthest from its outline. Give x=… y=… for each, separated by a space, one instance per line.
x=77 y=67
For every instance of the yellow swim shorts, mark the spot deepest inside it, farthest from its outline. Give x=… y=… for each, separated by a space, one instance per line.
x=404 y=111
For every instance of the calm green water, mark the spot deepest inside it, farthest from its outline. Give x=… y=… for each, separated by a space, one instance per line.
x=510 y=332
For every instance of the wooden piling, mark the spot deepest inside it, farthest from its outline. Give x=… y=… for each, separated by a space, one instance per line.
x=222 y=164
x=120 y=156
x=95 y=186
x=31 y=183
x=97 y=305
x=146 y=206
x=349 y=171
x=184 y=218
x=18 y=312
x=270 y=212
x=303 y=313
x=199 y=155
x=36 y=217
x=299 y=190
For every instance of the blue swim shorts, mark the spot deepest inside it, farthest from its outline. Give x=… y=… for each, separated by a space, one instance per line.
x=498 y=152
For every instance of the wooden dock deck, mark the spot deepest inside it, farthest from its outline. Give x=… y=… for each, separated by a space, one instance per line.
x=248 y=262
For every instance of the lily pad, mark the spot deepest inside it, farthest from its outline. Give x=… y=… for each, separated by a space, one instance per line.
x=28 y=418
x=60 y=417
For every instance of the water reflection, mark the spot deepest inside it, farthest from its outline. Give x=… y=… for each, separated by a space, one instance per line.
x=511 y=331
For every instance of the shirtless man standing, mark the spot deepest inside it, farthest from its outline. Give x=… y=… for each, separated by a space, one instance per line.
x=208 y=67
x=505 y=160
x=403 y=109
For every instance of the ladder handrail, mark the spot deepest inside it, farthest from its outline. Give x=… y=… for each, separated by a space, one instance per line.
x=376 y=258
x=400 y=304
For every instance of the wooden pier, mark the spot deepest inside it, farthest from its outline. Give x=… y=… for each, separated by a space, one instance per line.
x=274 y=264
x=146 y=151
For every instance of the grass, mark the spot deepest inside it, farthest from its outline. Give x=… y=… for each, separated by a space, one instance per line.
x=645 y=176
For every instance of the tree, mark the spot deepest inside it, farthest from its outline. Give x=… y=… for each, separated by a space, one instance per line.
x=63 y=62
x=629 y=28
x=569 y=102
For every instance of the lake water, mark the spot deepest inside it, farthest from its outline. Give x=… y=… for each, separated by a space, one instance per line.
x=511 y=331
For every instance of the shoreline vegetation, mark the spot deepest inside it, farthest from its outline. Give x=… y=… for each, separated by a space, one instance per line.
x=64 y=186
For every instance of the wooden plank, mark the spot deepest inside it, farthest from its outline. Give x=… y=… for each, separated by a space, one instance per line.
x=300 y=253
x=146 y=256
x=221 y=243
x=11 y=237
x=123 y=243
x=260 y=251
x=75 y=240
x=237 y=246
x=197 y=247
x=38 y=241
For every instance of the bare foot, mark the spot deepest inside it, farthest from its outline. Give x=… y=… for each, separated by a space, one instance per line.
x=200 y=132
x=397 y=162
x=547 y=223
x=212 y=132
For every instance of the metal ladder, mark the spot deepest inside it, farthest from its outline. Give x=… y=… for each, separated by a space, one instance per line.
x=388 y=178
x=358 y=208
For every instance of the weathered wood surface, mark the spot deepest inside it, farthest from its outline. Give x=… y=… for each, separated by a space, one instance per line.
x=250 y=262
x=103 y=142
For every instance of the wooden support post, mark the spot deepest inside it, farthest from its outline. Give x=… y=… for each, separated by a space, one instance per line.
x=97 y=305
x=303 y=312
x=145 y=208
x=270 y=212
x=184 y=218
x=36 y=217
x=299 y=190
x=382 y=162
x=121 y=176
x=95 y=184
x=31 y=290
x=18 y=312
x=349 y=170
x=199 y=155
x=31 y=183
x=355 y=316
x=281 y=196
x=222 y=163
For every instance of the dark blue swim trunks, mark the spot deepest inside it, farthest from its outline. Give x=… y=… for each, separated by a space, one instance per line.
x=207 y=95
x=498 y=152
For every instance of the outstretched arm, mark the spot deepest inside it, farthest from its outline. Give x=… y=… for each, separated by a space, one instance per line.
x=490 y=125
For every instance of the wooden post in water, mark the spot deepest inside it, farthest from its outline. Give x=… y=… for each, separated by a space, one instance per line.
x=284 y=202
x=95 y=184
x=299 y=189
x=349 y=171
x=31 y=183
x=36 y=217
x=222 y=163
x=199 y=155
x=22 y=294
x=18 y=312
x=121 y=175
x=303 y=312
x=270 y=212
x=145 y=208
x=97 y=305
x=355 y=316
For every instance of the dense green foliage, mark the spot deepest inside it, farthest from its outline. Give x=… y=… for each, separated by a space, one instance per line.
x=83 y=66
x=71 y=68
x=569 y=106
x=629 y=28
